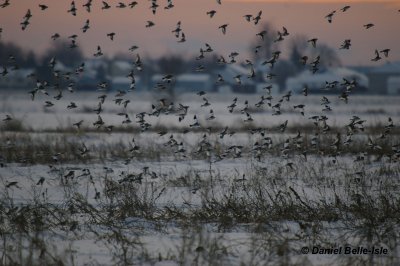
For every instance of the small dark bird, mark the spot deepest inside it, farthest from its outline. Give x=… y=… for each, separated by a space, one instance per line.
x=377 y=57
x=12 y=184
x=385 y=52
x=369 y=25
x=43 y=7
x=329 y=17
x=72 y=9
x=121 y=5
x=78 y=124
x=99 y=52
x=132 y=4
x=7 y=119
x=313 y=42
x=303 y=60
x=88 y=5
x=345 y=8
x=5 y=4
x=211 y=13
x=257 y=18
x=48 y=104
x=223 y=28
x=346 y=44
x=55 y=36
x=86 y=26
x=248 y=17
x=41 y=181
x=305 y=90
x=261 y=34
x=111 y=35
x=105 y=6
x=183 y=38
x=285 y=32
x=150 y=24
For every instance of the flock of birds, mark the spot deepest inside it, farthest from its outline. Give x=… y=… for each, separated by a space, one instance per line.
x=167 y=107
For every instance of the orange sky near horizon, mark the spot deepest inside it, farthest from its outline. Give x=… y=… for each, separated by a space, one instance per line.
x=299 y=17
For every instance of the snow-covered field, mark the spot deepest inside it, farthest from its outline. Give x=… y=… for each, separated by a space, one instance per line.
x=72 y=197
x=374 y=109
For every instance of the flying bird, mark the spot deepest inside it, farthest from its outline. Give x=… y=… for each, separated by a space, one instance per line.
x=248 y=17
x=55 y=36
x=223 y=28
x=72 y=9
x=121 y=5
x=86 y=26
x=369 y=25
x=43 y=7
x=149 y=24
x=132 y=4
x=99 y=52
x=346 y=44
x=88 y=5
x=345 y=8
x=262 y=34
x=329 y=17
x=211 y=13
x=377 y=57
x=111 y=35
x=313 y=41
x=5 y=4
x=385 y=52
x=257 y=18
x=105 y=6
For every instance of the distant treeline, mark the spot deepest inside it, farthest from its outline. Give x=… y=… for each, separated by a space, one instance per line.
x=289 y=63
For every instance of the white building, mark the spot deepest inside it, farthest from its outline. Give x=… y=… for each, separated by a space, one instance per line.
x=124 y=83
x=247 y=85
x=16 y=79
x=393 y=85
x=317 y=82
x=187 y=82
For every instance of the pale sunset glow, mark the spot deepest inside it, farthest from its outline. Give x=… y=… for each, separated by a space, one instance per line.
x=305 y=17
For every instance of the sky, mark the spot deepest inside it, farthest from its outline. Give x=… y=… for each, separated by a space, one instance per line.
x=305 y=17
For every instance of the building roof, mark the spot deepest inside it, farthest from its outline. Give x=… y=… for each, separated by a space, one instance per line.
x=328 y=75
x=390 y=67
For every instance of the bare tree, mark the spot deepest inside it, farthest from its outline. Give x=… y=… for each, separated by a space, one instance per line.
x=300 y=46
x=173 y=64
x=265 y=41
x=70 y=57
x=328 y=55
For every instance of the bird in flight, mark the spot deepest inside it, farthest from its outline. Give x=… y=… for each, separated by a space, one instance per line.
x=72 y=8
x=377 y=57
x=345 y=8
x=313 y=41
x=211 y=13
x=43 y=7
x=223 y=28
x=5 y=4
x=257 y=18
x=149 y=24
x=385 y=52
x=111 y=35
x=88 y=5
x=369 y=25
x=105 y=6
x=329 y=17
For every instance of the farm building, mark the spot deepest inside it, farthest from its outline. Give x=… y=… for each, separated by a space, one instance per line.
x=317 y=83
